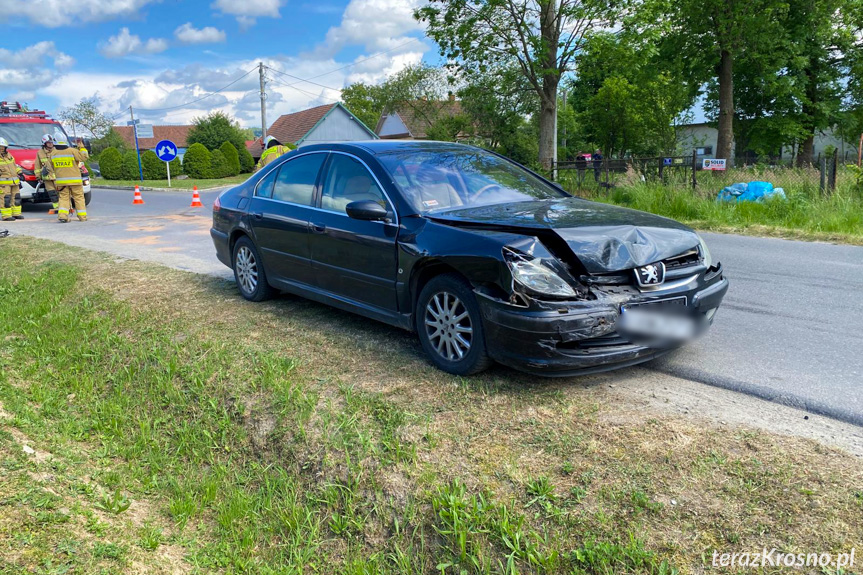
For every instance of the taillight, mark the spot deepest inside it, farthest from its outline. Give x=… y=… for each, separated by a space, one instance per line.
x=217 y=205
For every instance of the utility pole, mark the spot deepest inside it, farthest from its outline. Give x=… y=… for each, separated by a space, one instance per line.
x=137 y=150
x=263 y=104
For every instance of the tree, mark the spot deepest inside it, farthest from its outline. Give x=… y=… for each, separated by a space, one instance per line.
x=232 y=157
x=214 y=129
x=541 y=37
x=704 y=39
x=86 y=114
x=365 y=101
x=111 y=164
x=111 y=139
x=247 y=162
x=197 y=161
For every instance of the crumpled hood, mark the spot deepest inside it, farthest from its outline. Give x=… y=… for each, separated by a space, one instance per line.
x=604 y=238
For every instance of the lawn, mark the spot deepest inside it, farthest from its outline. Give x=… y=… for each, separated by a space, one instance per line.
x=144 y=431
x=185 y=184
x=807 y=214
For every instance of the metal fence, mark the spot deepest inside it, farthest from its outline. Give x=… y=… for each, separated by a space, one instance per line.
x=698 y=173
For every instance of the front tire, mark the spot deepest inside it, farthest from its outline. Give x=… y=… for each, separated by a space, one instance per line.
x=449 y=325
x=249 y=271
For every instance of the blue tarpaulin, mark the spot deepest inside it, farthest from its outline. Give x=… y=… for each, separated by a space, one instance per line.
x=751 y=192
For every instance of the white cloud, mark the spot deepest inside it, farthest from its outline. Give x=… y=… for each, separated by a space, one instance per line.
x=57 y=13
x=248 y=11
x=125 y=43
x=30 y=67
x=377 y=25
x=188 y=34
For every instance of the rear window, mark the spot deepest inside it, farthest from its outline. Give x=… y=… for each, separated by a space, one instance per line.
x=28 y=135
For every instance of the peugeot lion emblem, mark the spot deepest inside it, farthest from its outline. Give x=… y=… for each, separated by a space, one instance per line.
x=651 y=274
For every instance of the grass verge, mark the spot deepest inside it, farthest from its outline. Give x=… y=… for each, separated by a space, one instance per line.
x=807 y=214
x=143 y=431
x=185 y=184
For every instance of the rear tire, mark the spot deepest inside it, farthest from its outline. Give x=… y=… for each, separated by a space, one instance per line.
x=449 y=324
x=249 y=271
x=87 y=198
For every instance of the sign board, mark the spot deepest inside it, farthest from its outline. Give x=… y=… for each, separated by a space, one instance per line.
x=166 y=150
x=132 y=122
x=666 y=161
x=145 y=130
x=713 y=164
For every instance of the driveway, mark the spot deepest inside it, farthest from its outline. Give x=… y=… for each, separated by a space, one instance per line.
x=789 y=329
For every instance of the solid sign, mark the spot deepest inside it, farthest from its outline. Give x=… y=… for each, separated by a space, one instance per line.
x=712 y=164
x=132 y=122
x=166 y=150
x=145 y=130
x=666 y=161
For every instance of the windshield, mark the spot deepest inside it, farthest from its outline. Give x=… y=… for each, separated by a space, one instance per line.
x=29 y=135
x=455 y=178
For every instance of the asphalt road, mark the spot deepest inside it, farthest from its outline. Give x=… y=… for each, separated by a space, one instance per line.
x=790 y=329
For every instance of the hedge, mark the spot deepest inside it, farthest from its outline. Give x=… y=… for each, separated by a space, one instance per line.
x=111 y=164
x=232 y=157
x=197 y=162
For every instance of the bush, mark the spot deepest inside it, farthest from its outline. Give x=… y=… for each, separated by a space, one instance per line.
x=220 y=167
x=110 y=140
x=232 y=157
x=154 y=168
x=130 y=166
x=176 y=167
x=111 y=164
x=198 y=161
x=247 y=162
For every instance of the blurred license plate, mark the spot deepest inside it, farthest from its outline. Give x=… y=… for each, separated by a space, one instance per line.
x=655 y=322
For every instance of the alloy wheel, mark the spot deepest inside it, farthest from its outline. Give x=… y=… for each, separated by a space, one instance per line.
x=448 y=326
x=247 y=269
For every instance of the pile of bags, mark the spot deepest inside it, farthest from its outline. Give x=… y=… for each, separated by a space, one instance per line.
x=751 y=192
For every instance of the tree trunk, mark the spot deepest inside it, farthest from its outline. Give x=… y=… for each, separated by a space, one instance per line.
x=550 y=33
x=725 y=140
x=547 y=112
x=806 y=156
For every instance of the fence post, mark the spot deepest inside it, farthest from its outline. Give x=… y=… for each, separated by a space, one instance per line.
x=661 y=170
x=822 y=168
x=834 y=170
x=694 y=167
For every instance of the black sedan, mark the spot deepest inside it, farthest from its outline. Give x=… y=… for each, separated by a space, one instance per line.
x=485 y=260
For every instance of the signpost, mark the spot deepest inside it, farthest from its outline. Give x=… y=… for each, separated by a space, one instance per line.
x=167 y=151
x=134 y=123
x=714 y=164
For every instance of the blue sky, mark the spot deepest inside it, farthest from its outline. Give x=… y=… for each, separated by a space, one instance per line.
x=159 y=54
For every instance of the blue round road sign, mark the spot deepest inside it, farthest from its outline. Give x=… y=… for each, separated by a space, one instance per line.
x=166 y=150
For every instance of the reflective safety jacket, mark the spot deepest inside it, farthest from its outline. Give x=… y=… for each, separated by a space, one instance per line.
x=271 y=154
x=8 y=170
x=67 y=167
x=43 y=159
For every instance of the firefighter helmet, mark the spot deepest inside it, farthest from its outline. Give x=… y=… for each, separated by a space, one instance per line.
x=4 y=143
x=47 y=138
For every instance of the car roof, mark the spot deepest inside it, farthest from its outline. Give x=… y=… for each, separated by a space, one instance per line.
x=375 y=147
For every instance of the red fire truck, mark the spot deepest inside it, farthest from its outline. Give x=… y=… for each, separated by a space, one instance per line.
x=23 y=129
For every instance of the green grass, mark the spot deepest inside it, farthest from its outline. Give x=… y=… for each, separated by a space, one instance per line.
x=185 y=184
x=214 y=435
x=807 y=213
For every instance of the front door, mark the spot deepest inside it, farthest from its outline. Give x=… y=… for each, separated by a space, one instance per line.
x=279 y=215
x=353 y=259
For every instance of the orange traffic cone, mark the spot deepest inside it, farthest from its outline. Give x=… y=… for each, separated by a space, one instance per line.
x=138 y=199
x=196 y=199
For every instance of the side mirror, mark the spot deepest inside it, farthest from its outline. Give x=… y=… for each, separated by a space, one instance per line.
x=368 y=210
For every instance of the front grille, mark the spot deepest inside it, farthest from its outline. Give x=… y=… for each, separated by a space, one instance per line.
x=684 y=260
x=604 y=342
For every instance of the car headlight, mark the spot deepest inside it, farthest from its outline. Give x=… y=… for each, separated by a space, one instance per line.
x=705 y=253
x=536 y=277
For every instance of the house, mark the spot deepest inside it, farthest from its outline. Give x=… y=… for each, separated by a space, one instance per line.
x=177 y=134
x=412 y=120
x=702 y=138
x=328 y=123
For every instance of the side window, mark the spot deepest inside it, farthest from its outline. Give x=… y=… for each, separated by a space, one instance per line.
x=296 y=180
x=265 y=187
x=349 y=181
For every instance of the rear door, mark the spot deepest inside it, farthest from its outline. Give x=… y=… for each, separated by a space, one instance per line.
x=279 y=215
x=353 y=259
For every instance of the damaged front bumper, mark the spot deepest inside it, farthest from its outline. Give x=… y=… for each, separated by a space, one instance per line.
x=562 y=338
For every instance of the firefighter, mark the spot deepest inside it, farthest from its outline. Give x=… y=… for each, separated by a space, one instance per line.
x=10 y=185
x=82 y=148
x=45 y=171
x=273 y=150
x=67 y=162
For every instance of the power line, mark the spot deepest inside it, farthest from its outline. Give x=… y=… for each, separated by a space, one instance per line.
x=309 y=94
x=204 y=97
x=300 y=80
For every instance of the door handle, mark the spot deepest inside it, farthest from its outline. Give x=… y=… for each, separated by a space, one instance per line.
x=319 y=228
x=257 y=215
